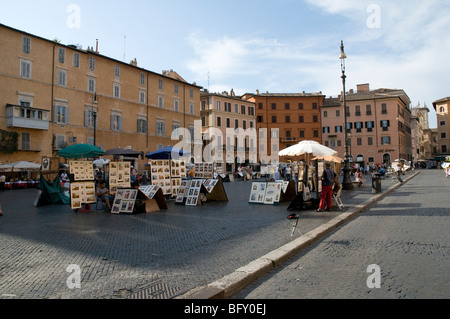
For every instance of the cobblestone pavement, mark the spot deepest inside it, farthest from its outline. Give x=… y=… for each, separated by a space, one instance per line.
x=154 y=256
x=405 y=234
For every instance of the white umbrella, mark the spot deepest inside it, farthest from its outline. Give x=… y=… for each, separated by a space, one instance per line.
x=5 y=168
x=25 y=166
x=308 y=147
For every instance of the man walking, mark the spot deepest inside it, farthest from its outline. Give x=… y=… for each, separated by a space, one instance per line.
x=327 y=188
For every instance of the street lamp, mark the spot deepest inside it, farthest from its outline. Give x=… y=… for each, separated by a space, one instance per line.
x=94 y=118
x=347 y=183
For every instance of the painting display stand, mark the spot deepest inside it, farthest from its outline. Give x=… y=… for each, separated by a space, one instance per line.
x=153 y=198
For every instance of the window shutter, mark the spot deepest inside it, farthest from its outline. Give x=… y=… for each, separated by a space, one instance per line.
x=120 y=123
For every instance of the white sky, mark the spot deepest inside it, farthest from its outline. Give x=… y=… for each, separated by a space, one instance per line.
x=282 y=46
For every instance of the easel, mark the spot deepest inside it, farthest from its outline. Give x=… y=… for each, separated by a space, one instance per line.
x=295 y=218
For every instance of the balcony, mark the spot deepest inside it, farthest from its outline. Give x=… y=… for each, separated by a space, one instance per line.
x=26 y=117
x=289 y=140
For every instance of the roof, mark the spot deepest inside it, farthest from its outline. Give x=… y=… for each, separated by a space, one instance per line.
x=74 y=48
x=380 y=94
x=445 y=99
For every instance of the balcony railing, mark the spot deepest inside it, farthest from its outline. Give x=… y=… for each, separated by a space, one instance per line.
x=27 y=117
x=288 y=140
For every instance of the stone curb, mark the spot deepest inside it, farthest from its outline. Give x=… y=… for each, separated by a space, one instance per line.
x=231 y=284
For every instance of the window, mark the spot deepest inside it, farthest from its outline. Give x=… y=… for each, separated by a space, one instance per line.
x=227 y=107
x=385 y=140
x=62 y=76
x=251 y=110
x=442 y=123
x=359 y=141
x=236 y=108
x=142 y=125
x=300 y=106
x=25 y=69
x=236 y=123
x=370 y=125
x=142 y=96
x=89 y=118
x=385 y=125
x=316 y=133
x=219 y=121
x=302 y=133
x=242 y=109
x=117 y=91
x=368 y=109
x=116 y=122
x=26 y=45
x=444 y=149
x=349 y=127
x=315 y=118
x=338 y=129
x=325 y=114
x=191 y=93
x=176 y=105
x=61 y=114
x=314 y=106
x=244 y=124
x=117 y=71
x=160 y=84
x=76 y=59
x=288 y=119
x=60 y=141
x=338 y=113
x=142 y=78
x=176 y=88
x=274 y=106
x=91 y=64
x=228 y=122
x=274 y=119
x=160 y=101
x=260 y=106
x=160 y=128
x=25 y=144
x=191 y=108
x=218 y=106
x=357 y=110
x=383 y=108
x=260 y=119
x=301 y=118
x=287 y=106
x=370 y=141
x=442 y=109
x=61 y=55
x=359 y=126
x=443 y=135
x=91 y=85
x=326 y=129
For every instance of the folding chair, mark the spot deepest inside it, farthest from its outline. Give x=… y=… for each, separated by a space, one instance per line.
x=337 y=198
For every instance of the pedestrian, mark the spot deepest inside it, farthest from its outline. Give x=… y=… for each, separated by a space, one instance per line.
x=327 y=188
x=288 y=172
x=2 y=182
x=399 y=172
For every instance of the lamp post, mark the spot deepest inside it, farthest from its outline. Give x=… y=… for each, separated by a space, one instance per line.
x=347 y=183
x=94 y=118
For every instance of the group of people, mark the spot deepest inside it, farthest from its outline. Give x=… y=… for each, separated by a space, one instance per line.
x=245 y=172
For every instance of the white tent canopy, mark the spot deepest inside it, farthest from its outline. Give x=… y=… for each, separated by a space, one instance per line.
x=20 y=166
x=308 y=147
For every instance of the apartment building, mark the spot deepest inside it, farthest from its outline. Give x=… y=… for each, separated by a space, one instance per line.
x=378 y=125
x=442 y=107
x=51 y=94
x=229 y=123
x=295 y=115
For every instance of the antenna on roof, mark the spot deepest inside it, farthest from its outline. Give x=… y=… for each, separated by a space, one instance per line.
x=124 y=46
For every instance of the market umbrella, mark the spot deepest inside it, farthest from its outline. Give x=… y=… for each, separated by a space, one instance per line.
x=78 y=151
x=331 y=158
x=5 y=168
x=168 y=152
x=308 y=147
x=125 y=152
x=25 y=166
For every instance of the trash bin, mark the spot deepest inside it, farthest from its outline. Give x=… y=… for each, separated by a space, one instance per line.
x=376 y=183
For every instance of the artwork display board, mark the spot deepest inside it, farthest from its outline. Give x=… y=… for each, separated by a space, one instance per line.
x=82 y=193
x=82 y=170
x=215 y=191
x=119 y=176
x=204 y=170
x=258 y=192
x=124 y=201
x=153 y=198
x=182 y=191
x=168 y=174
x=273 y=193
x=195 y=186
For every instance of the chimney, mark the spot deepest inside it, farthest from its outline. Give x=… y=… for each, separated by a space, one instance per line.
x=363 y=88
x=96 y=46
x=134 y=62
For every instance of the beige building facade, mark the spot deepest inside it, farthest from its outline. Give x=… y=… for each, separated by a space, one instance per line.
x=229 y=128
x=51 y=93
x=378 y=125
x=442 y=107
